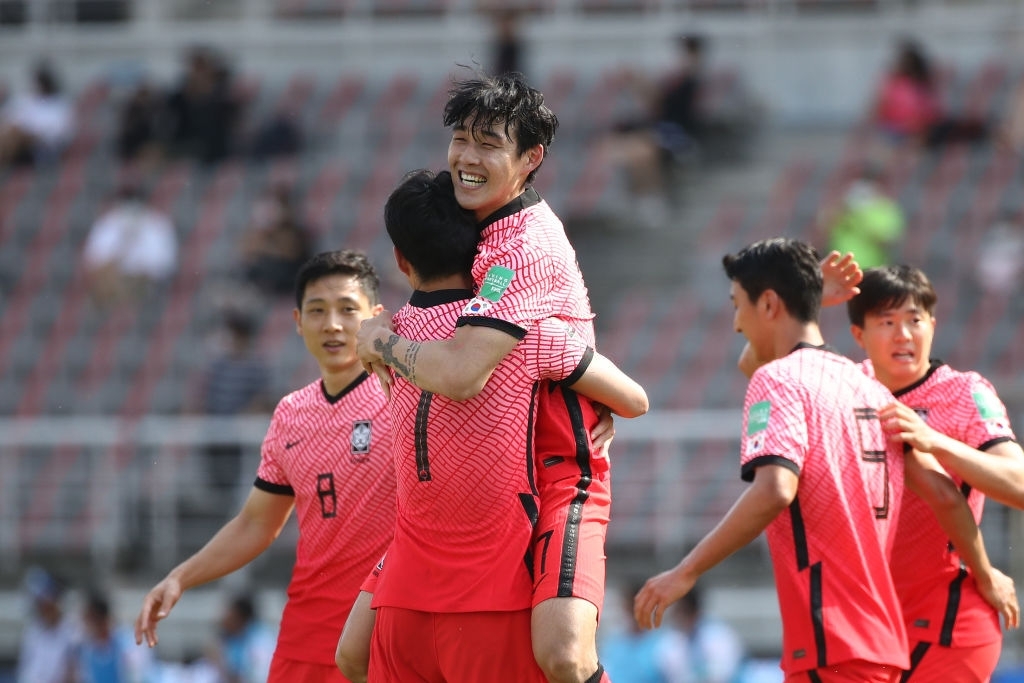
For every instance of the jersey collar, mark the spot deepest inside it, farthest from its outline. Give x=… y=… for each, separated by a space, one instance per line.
x=822 y=347
x=934 y=364
x=528 y=198
x=341 y=394
x=438 y=297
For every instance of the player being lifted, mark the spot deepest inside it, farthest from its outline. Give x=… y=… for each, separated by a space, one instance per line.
x=458 y=576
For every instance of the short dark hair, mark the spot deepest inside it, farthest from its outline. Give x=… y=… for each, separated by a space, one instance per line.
x=886 y=287
x=506 y=100
x=341 y=262
x=429 y=228
x=244 y=606
x=788 y=267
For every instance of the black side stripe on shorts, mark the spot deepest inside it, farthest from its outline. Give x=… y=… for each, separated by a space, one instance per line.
x=915 y=659
x=813 y=676
x=529 y=504
x=952 y=607
x=570 y=542
x=803 y=562
x=422 y=451
x=817 y=618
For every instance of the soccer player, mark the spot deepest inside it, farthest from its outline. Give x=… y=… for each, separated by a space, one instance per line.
x=327 y=453
x=525 y=271
x=954 y=632
x=825 y=487
x=458 y=573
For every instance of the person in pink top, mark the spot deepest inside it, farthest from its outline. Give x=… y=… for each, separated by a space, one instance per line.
x=827 y=485
x=954 y=632
x=525 y=271
x=327 y=455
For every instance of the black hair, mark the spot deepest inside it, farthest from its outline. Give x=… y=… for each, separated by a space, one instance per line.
x=244 y=607
x=788 y=267
x=505 y=100
x=341 y=262
x=429 y=228
x=886 y=287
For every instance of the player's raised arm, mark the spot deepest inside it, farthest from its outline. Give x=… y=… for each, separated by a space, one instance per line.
x=997 y=471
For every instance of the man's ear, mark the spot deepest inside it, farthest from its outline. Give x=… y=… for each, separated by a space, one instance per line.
x=402 y=263
x=534 y=156
x=857 y=332
x=770 y=304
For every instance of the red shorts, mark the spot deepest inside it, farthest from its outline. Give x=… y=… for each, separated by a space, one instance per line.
x=853 y=671
x=283 y=670
x=932 y=663
x=575 y=500
x=469 y=647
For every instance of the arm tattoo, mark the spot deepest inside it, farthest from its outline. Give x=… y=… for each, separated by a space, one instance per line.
x=407 y=367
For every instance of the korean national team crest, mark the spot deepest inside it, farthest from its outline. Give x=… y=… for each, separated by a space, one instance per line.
x=360 y=440
x=496 y=281
x=757 y=426
x=991 y=411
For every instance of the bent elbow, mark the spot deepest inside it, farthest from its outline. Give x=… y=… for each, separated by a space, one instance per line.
x=463 y=388
x=635 y=407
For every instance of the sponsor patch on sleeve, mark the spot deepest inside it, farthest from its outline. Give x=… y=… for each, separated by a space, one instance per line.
x=496 y=281
x=757 y=426
x=991 y=411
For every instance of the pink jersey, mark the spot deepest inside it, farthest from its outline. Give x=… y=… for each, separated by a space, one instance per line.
x=526 y=270
x=814 y=412
x=333 y=454
x=467 y=501
x=941 y=602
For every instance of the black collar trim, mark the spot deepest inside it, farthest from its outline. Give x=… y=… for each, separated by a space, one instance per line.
x=438 y=297
x=341 y=394
x=935 y=365
x=822 y=347
x=529 y=197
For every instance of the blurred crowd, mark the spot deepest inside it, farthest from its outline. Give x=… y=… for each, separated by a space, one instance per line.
x=89 y=645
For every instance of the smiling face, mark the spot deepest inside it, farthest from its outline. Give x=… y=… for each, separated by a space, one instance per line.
x=898 y=341
x=332 y=309
x=487 y=169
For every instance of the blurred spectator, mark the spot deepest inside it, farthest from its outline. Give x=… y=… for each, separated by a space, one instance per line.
x=36 y=126
x=236 y=382
x=507 y=46
x=278 y=136
x=1011 y=132
x=202 y=110
x=650 y=147
x=1000 y=260
x=868 y=222
x=138 y=132
x=129 y=249
x=276 y=243
x=243 y=649
x=631 y=655
x=107 y=653
x=47 y=643
x=908 y=108
x=707 y=649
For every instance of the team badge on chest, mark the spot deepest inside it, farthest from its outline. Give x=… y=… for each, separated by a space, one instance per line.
x=360 y=441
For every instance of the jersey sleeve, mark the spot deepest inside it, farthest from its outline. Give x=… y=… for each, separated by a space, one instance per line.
x=774 y=425
x=987 y=421
x=271 y=476
x=554 y=351
x=514 y=285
